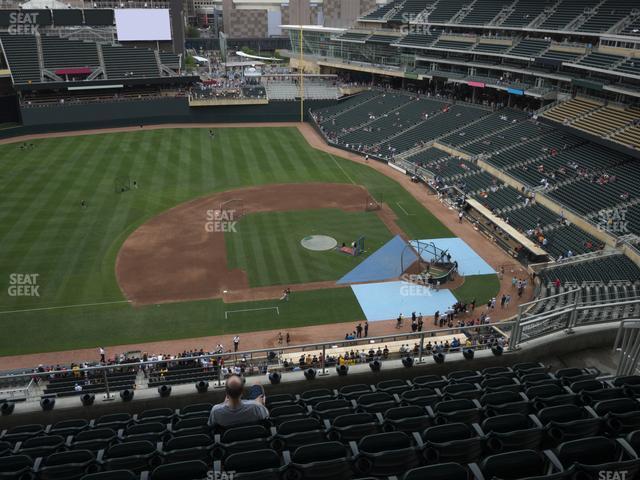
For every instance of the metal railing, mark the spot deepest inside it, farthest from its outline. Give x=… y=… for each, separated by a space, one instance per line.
x=210 y=364
x=570 y=316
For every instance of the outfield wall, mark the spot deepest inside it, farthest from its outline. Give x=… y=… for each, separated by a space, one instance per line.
x=67 y=117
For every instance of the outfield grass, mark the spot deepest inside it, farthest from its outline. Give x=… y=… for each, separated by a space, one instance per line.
x=267 y=245
x=44 y=231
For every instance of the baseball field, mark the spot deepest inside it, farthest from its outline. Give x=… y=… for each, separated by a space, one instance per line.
x=64 y=219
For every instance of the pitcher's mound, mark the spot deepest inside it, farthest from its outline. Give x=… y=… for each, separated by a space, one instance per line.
x=319 y=243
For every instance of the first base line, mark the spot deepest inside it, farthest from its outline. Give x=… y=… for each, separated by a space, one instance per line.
x=228 y=312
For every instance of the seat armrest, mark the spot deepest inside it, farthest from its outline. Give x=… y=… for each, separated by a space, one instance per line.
x=354 y=448
x=418 y=439
x=627 y=448
x=478 y=429
x=553 y=459
x=592 y=412
x=475 y=471
x=536 y=421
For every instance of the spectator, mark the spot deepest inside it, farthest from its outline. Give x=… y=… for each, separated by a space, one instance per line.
x=234 y=410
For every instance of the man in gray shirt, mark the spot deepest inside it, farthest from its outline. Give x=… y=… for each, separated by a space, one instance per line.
x=235 y=411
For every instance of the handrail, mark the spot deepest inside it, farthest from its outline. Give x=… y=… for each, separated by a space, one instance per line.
x=247 y=354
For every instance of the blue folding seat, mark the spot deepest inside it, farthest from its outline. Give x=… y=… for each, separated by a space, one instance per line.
x=297 y=433
x=354 y=426
x=420 y=396
x=452 y=442
x=311 y=397
x=69 y=465
x=520 y=465
x=153 y=432
x=16 y=467
x=189 y=447
x=320 y=461
x=254 y=465
x=591 y=456
x=500 y=383
x=241 y=439
x=396 y=386
x=352 y=392
x=592 y=391
x=569 y=422
x=513 y=431
x=501 y=403
x=93 y=439
x=191 y=425
x=462 y=410
x=410 y=418
x=22 y=433
x=66 y=428
x=161 y=415
x=461 y=390
x=329 y=409
x=135 y=456
x=195 y=409
x=41 y=446
x=621 y=415
x=465 y=376
x=549 y=395
x=112 y=475
x=114 y=421
x=376 y=402
x=382 y=454
x=188 y=470
x=429 y=381
x=440 y=471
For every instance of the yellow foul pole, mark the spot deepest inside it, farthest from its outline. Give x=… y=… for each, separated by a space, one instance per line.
x=301 y=68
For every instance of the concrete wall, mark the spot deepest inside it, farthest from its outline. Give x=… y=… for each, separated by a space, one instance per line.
x=148 y=112
x=9 y=109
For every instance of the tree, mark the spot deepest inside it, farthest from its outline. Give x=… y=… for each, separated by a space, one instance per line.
x=192 y=32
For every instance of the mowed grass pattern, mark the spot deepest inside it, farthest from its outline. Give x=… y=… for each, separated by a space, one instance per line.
x=43 y=230
x=267 y=245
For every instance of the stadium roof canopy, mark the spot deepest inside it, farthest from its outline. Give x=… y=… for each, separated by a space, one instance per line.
x=313 y=28
x=256 y=57
x=44 y=4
